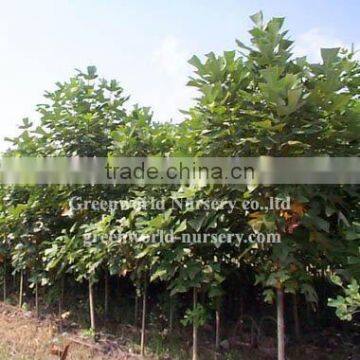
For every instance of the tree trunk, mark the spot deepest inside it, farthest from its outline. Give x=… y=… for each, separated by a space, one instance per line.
x=61 y=296
x=4 y=285
x=217 y=333
x=171 y=313
x=241 y=307
x=296 y=318
x=195 y=329
x=92 y=307
x=37 y=299
x=106 y=296
x=136 y=309
x=21 y=289
x=280 y=324
x=143 y=319
x=61 y=302
x=308 y=315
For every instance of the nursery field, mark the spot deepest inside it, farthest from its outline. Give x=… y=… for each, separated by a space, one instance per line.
x=85 y=282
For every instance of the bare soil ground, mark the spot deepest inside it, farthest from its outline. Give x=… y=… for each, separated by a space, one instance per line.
x=24 y=337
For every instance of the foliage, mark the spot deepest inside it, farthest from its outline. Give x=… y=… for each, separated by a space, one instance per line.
x=349 y=304
x=258 y=100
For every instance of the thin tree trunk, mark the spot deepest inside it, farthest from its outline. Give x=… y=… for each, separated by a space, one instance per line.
x=241 y=307
x=4 y=285
x=217 y=334
x=61 y=296
x=296 y=318
x=106 y=299
x=308 y=316
x=136 y=309
x=280 y=324
x=61 y=302
x=92 y=308
x=195 y=329
x=143 y=319
x=37 y=299
x=21 y=289
x=171 y=313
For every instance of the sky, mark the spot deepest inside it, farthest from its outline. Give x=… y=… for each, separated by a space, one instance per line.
x=143 y=44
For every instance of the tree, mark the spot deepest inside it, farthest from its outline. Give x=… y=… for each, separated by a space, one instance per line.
x=266 y=102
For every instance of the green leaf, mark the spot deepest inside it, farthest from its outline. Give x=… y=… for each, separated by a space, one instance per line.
x=182 y=226
x=242 y=45
x=158 y=274
x=265 y=124
x=329 y=55
x=195 y=61
x=91 y=71
x=258 y=19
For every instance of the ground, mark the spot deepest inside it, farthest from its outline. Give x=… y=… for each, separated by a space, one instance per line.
x=24 y=337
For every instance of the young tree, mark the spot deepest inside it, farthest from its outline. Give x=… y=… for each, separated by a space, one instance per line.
x=266 y=102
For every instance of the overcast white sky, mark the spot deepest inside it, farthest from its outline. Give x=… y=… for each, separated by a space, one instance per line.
x=143 y=44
